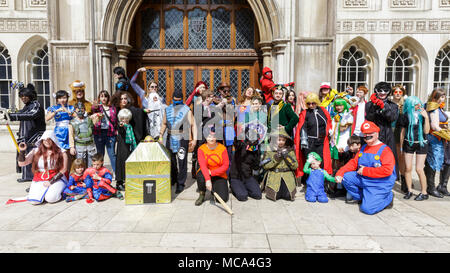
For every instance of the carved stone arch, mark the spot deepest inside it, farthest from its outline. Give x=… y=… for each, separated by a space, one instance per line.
x=26 y=53
x=371 y=53
x=421 y=64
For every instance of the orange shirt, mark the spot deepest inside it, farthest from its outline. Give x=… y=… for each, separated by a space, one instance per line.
x=215 y=161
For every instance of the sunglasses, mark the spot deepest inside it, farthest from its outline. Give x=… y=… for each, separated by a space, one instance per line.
x=311 y=103
x=398 y=93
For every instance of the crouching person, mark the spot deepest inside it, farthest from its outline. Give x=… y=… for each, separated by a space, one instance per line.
x=246 y=160
x=370 y=176
x=99 y=179
x=280 y=163
x=49 y=166
x=214 y=163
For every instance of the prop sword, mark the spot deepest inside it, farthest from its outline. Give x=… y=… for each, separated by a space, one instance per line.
x=9 y=128
x=224 y=205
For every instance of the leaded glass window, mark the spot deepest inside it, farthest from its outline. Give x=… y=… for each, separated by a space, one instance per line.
x=5 y=76
x=41 y=76
x=234 y=82
x=221 y=29
x=150 y=29
x=353 y=69
x=442 y=72
x=206 y=77
x=401 y=69
x=196 y=25
x=197 y=29
x=174 y=29
x=245 y=29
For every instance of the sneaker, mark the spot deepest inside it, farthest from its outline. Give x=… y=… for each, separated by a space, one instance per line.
x=120 y=187
x=421 y=197
x=119 y=195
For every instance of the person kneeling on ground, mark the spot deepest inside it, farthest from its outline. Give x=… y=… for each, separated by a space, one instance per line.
x=246 y=160
x=370 y=176
x=99 y=179
x=280 y=162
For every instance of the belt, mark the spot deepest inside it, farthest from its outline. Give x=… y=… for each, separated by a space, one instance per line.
x=175 y=132
x=64 y=123
x=282 y=170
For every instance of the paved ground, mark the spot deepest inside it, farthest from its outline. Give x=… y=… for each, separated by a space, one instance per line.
x=257 y=226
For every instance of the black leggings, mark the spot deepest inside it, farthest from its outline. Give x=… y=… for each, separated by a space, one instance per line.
x=219 y=185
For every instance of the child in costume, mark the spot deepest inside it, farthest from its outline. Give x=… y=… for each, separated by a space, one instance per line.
x=354 y=145
x=82 y=138
x=341 y=131
x=76 y=189
x=62 y=113
x=315 y=190
x=99 y=179
x=280 y=163
x=124 y=117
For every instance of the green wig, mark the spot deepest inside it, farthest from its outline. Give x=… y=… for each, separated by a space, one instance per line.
x=339 y=102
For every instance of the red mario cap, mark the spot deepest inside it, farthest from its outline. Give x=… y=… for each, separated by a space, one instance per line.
x=369 y=127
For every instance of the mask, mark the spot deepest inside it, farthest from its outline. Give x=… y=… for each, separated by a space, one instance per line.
x=368 y=137
x=176 y=103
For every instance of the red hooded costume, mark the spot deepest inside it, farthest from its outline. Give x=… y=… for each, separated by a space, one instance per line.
x=267 y=84
x=326 y=145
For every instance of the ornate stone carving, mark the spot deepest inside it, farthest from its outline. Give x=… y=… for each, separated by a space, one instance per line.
x=355 y=4
x=393 y=26
x=3 y=3
x=444 y=3
x=23 y=25
x=403 y=3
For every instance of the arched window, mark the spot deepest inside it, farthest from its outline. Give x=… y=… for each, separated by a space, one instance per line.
x=401 y=69
x=442 y=71
x=197 y=25
x=353 y=69
x=40 y=75
x=5 y=76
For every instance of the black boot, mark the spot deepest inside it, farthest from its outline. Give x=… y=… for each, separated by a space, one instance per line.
x=404 y=187
x=445 y=174
x=431 y=189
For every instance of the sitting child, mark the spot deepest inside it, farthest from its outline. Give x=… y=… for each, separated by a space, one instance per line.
x=280 y=163
x=315 y=190
x=99 y=179
x=76 y=189
x=354 y=145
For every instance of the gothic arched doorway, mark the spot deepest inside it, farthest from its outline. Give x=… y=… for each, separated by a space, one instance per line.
x=181 y=42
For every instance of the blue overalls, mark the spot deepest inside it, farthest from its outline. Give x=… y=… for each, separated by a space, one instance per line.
x=315 y=190
x=376 y=193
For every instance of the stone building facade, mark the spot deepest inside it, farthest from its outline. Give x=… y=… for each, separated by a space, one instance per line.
x=345 y=42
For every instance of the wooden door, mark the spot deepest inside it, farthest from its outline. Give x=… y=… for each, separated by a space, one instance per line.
x=185 y=77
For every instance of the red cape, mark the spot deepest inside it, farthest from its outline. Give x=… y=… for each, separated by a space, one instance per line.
x=326 y=145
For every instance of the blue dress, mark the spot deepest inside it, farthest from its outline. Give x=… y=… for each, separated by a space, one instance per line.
x=62 y=124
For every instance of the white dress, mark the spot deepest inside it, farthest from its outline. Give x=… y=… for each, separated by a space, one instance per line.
x=339 y=139
x=39 y=193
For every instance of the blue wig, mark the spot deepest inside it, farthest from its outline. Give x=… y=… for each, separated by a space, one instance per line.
x=415 y=118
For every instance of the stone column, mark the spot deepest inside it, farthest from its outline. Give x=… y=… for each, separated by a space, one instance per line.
x=106 y=50
x=266 y=48
x=281 y=71
x=123 y=51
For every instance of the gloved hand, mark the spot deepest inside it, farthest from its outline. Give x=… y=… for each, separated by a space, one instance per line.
x=3 y=115
x=284 y=152
x=291 y=84
x=278 y=156
x=375 y=100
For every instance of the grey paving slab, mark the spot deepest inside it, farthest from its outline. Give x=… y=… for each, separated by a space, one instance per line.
x=257 y=226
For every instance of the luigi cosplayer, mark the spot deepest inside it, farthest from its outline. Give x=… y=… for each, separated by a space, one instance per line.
x=370 y=176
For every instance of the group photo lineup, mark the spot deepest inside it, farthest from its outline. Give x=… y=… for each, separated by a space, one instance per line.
x=217 y=111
